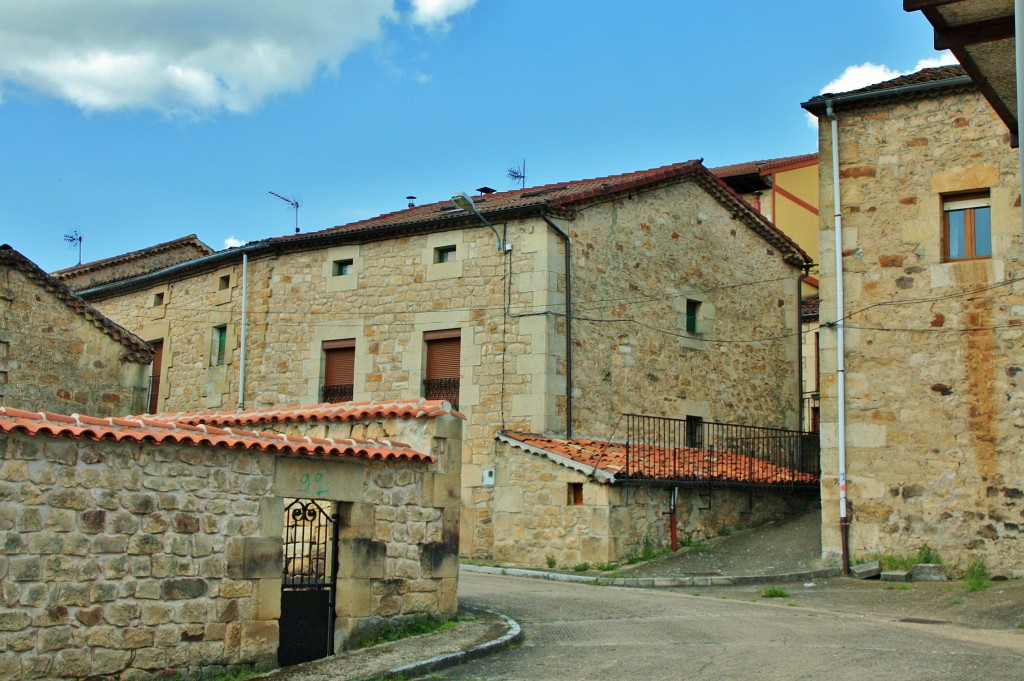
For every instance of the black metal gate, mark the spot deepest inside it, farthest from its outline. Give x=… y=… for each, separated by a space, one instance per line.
x=308 y=583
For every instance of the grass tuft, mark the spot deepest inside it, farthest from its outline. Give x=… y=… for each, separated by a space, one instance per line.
x=581 y=567
x=774 y=592
x=416 y=625
x=976 y=577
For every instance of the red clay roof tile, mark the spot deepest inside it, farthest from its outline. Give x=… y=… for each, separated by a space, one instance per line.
x=936 y=76
x=764 y=166
x=158 y=431
x=413 y=408
x=607 y=460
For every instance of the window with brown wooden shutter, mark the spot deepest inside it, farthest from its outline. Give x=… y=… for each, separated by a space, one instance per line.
x=443 y=368
x=339 y=370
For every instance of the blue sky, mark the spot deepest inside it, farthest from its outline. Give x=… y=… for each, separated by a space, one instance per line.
x=138 y=123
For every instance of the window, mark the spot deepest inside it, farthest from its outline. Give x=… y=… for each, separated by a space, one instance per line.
x=574 y=496
x=694 y=432
x=219 y=345
x=444 y=254
x=154 y=376
x=342 y=267
x=158 y=299
x=966 y=226
x=692 y=316
x=339 y=370
x=224 y=282
x=443 y=369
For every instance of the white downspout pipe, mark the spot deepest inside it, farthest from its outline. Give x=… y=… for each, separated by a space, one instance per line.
x=844 y=522
x=241 y=354
x=1018 y=22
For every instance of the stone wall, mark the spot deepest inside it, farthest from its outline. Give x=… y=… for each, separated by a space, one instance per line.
x=642 y=258
x=536 y=522
x=933 y=365
x=129 y=560
x=54 y=359
x=647 y=253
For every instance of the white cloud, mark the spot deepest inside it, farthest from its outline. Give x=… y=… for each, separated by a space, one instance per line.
x=858 y=76
x=233 y=242
x=187 y=56
x=435 y=13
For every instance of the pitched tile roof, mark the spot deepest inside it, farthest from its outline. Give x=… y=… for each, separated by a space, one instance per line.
x=188 y=247
x=561 y=197
x=937 y=76
x=155 y=431
x=414 y=408
x=136 y=349
x=809 y=307
x=606 y=461
x=762 y=167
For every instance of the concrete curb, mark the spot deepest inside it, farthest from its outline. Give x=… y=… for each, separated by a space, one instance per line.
x=659 y=582
x=433 y=664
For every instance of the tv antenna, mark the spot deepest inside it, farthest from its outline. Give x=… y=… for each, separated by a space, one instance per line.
x=294 y=204
x=75 y=238
x=517 y=173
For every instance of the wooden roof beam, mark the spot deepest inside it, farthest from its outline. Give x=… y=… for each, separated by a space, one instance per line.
x=972 y=34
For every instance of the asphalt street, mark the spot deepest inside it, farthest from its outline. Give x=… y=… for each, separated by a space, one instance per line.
x=581 y=632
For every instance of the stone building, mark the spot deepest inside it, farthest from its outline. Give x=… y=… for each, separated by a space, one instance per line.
x=932 y=320
x=142 y=547
x=58 y=353
x=569 y=502
x=137 y=262
x=552 y=309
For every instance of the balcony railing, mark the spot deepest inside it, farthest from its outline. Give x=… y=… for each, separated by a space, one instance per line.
x=341 y=392
x=442 y=389
x=664 y=451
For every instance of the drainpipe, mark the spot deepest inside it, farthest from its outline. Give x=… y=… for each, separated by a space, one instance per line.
x=844 y=521
x=673 y=520
x=805 y=270
x=1018 y=11
x=241 y=354
x=568 y=323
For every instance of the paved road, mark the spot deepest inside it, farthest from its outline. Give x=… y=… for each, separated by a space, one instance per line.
x=579 y=632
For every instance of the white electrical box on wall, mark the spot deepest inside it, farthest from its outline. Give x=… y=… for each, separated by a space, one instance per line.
x=488 y=477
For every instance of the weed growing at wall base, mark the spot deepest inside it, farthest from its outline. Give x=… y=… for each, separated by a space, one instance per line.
x=976 y=577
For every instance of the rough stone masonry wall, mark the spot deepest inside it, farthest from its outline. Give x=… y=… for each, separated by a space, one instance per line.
x=535 y=523
x=641 y=258
x=124 y=560
x=934 y=412
x=394 y=294
x=52 y=359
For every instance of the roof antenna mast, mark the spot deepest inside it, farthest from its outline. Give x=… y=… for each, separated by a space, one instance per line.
x=517 y=173
x=294 y=204
x=75 y=238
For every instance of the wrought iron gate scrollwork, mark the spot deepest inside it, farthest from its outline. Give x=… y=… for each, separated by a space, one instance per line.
x=308 y=582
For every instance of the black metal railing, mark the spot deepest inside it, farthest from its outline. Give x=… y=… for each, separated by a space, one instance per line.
x=341 y=392
x=442 y=389
x=690 y=451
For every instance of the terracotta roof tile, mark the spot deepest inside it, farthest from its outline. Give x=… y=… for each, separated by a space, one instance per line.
x=935 y=76
x=764 y=166
x=137 y=350
x=158 y=431
x=809 y=307
x=607 y=460
x=561 y=197
x=185 y=244
x=414 y=408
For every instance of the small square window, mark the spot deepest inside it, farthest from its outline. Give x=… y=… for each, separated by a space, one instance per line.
x=3 y=378
x=966 y=226
x=574 y=496
x=5 y=348
x=224 y=283
x=158 y=300
x=692 y=316
x=341 y=268
x=219 y=345
x=444 y=254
